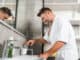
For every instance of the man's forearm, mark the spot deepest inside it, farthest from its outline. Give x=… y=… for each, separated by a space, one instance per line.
x=41 y=40
x=55 y=47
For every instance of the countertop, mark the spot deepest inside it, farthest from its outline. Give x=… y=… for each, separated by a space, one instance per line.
x=24 y=57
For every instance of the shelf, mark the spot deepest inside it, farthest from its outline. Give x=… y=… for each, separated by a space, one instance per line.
x=75 y=22
x=77 y=37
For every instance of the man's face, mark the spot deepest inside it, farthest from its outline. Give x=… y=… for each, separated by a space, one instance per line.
x=47 y=17
x=3 y=15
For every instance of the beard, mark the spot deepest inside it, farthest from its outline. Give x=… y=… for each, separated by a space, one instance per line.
x=48 y=23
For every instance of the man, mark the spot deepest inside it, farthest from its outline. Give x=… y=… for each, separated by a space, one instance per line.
x=6 y=15
x=60 y=38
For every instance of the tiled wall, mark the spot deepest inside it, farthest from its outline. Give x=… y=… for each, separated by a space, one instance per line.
x=27 y=21
x=27 y=11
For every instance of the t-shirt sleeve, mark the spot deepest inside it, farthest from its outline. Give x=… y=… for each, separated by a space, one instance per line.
x=63 y=34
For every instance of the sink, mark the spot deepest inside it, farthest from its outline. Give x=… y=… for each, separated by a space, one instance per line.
x=25 y=57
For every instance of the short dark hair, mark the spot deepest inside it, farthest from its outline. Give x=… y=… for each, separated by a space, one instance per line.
x=42 y=10
x=6 y=10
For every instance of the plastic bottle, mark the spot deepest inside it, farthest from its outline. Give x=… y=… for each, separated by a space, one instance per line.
x=10 y=47
x=10 y=51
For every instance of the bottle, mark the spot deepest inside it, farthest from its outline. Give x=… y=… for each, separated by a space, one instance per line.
x=29 y=50
x=10 y=47
x=10 y=51
x=23 y=50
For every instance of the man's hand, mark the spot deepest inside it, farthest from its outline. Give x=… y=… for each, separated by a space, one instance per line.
x=45 y=55
x=30 y=42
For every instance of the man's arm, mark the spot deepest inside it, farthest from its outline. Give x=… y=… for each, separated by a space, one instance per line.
x=33 y=41
x=55 y=47
x=52 y=50
x=41 y=40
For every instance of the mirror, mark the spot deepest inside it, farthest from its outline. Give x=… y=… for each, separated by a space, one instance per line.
x=5 y=7
x=11 y=5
